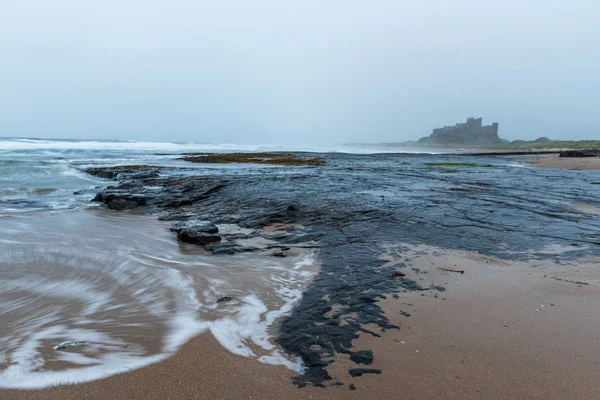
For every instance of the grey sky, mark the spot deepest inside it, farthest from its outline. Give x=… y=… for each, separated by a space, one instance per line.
x=297 y=72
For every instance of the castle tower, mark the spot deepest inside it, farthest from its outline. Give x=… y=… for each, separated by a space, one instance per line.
x=495 y=128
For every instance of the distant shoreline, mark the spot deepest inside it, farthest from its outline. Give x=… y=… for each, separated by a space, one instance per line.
x=517 y=146
x=460 y=151
x=575 y=163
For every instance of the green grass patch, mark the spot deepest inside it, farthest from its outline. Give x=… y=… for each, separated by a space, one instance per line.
x=286 y=159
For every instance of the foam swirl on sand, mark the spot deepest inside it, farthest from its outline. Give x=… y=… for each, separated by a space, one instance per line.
x=94 y=294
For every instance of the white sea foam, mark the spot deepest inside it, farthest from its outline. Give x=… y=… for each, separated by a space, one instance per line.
x=74 y=172
x=53 y=148
x=69 y=289
x=42 y=144
x=20 y=376
x=64 y=289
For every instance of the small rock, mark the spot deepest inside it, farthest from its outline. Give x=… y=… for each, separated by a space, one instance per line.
x=224 y=299
x=354 y=372
x=69 y=343
x=362 y=357
x=192 y=232
x=217 y=249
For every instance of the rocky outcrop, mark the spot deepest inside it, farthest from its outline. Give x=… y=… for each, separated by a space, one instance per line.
x=130 y=171
x=120 y=200
x=145 y=189
x=285 y=214
x=580 y=153
x=196 y=233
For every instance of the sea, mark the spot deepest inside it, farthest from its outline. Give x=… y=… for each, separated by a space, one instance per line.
x=86 y=293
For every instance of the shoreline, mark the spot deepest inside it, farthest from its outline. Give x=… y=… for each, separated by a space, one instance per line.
x=573 y=163
x=498 y=332
x=502 y=330
x=347 y=318
x=201 y=369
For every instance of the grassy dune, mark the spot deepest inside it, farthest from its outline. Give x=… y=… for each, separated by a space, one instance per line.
x=551 y=145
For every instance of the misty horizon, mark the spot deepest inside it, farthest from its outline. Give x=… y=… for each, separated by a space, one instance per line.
x=299 y=73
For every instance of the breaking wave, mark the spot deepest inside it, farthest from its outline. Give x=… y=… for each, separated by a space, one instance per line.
x=105 y=294
x=54 y=148
x=17 y=144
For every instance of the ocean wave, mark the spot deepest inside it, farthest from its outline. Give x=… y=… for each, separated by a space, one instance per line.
x=57 y=148
x=43 y=144
x=96 y=297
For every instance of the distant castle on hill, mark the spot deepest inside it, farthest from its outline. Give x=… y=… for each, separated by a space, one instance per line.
x=471 y=132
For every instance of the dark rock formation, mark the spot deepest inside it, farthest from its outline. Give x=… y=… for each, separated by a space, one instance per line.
x=132 y=192
x=131 y=171
x=580 y=153
x=362 y=357
x=218 y=248
x=121 y=200
x=195 y=233
x=285 y=214
x=224 y=299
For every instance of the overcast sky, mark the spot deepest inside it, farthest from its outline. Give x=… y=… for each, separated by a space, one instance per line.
x=297 y=72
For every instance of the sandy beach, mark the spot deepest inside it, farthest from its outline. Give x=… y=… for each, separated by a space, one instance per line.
x=576 y=163
x=501 y=330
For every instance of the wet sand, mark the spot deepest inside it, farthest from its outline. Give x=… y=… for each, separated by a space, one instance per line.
x=501 y=330
x=576 y=163
x=202 y=369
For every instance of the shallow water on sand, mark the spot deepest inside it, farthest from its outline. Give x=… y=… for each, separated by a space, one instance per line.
x=89 y=293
